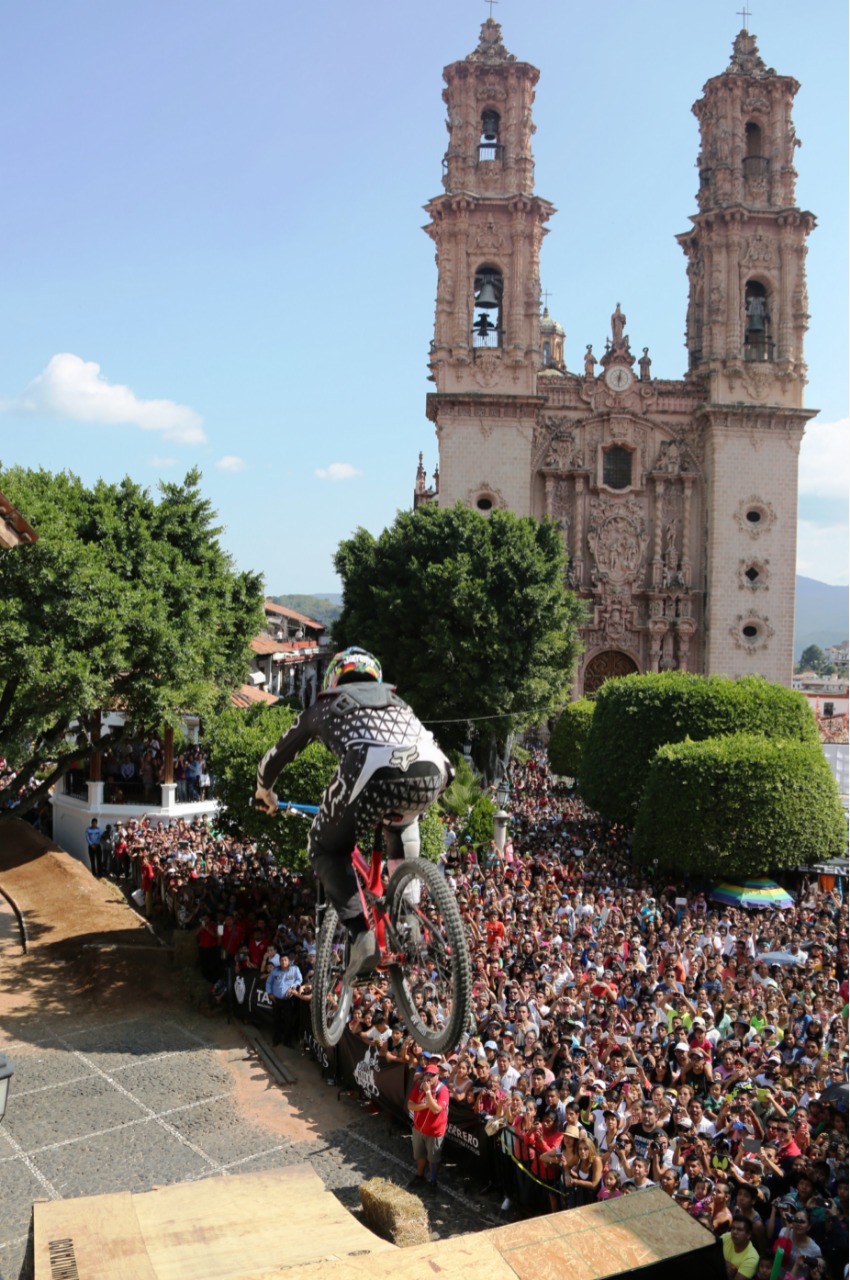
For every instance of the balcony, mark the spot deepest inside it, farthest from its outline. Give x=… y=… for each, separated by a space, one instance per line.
x=759 y=351
x=756 y=167
x=491 y=152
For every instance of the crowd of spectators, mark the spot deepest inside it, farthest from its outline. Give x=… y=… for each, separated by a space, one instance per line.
x=626 y=1032
x=134 y=770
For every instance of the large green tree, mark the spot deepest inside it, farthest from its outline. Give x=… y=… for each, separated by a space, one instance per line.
x=126 y=601
x=469 y=616
x=239 y=738
x=569 y=738
x=740 y=805
x=636 y=715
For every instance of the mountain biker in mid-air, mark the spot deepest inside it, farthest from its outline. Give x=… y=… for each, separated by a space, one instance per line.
x=390 y=771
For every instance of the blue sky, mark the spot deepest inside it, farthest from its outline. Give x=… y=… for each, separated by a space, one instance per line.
x=212 y=252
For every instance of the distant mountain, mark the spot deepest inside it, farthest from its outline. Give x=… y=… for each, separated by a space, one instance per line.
x=821 y=616
x=324 y=608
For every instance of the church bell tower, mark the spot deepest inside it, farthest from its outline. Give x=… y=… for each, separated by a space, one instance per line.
x=487 y=226
x=747 y=314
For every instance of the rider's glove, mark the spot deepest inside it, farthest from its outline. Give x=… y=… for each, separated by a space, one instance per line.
x=266 y=800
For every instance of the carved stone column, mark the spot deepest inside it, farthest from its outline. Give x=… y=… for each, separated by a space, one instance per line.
x=551 y=480
x=685 y=629
x=688 y=484
x=578 y=559
x=657 y=632
x=657 y=561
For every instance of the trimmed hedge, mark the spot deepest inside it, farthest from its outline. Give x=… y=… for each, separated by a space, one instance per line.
x=569 y=737
x=636 y=715
x=742 y=805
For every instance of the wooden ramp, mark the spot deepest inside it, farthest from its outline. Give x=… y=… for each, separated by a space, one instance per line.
x=236 y=1228
x=646 y=1233
x=285 y=1226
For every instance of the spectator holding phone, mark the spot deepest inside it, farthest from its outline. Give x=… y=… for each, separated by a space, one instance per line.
x=429 y=1105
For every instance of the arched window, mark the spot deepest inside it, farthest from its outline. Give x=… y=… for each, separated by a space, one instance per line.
x=487 y=307
x=489 y=147
x=617 y=468
x=547 y=354
x=757 y=339
x=755 y=161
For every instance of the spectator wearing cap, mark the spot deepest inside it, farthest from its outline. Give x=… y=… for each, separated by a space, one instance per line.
x=429 y=1105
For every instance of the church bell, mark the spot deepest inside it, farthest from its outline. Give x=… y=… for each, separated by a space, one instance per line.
x=487 y=298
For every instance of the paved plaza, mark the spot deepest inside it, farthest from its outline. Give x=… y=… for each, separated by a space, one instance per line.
x=102 y=1105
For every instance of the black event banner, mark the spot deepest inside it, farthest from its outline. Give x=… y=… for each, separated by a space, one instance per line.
x=249 y=992
x=388 y=1084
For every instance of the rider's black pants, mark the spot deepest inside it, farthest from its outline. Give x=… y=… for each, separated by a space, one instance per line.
x=392 y=796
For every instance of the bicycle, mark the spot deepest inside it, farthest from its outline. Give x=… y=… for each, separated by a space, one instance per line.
x=422 y=944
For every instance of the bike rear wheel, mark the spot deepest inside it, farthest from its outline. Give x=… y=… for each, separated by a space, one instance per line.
x=330 y=1003
x=426 y=929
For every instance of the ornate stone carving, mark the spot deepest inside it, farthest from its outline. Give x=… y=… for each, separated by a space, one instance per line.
x=485 y=490
x=751 y=631
x=757 y=383
x=754 y=516
x=490 y=237
x=753 y=575
x=616 y=535
x=485 y=371
x=673 y=457
x=760 y=250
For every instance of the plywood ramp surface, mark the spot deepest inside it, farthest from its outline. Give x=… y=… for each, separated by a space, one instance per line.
x=585 y=1244
x=236 y=1228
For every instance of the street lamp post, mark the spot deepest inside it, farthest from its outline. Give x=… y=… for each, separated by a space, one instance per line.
x=7 y=1070
x=501 y=819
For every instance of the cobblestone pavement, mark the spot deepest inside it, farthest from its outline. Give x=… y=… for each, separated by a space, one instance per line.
x=105 y=1103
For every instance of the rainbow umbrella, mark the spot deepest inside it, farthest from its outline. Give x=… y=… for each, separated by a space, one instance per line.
x=753 y=894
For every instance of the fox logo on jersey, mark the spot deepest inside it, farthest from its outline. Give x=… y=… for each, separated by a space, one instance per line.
x=403 y=757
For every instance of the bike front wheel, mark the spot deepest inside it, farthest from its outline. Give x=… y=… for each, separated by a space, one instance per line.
x=330 y=1004
x=432 y=982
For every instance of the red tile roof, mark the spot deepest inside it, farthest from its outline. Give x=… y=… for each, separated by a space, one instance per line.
x=271 y=607
x=247 y=693
x=266 y=644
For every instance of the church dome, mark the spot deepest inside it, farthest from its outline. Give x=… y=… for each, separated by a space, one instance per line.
x=548 y=325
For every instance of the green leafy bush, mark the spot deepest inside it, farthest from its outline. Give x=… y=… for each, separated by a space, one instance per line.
x=740 y=805
x=636 y=715
x=432 y=834
x=569 y=738
x=479 y=824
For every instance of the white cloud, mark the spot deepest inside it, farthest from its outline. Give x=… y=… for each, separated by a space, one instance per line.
x=338 y=471
x=74 y=388
x=230 y=462
x=822 y=552
x=825 y=459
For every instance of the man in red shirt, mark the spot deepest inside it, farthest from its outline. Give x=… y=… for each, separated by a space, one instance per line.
x=429 y=1103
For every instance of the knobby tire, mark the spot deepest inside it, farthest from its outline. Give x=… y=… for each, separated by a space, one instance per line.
x=454 y=963
x=327 y=974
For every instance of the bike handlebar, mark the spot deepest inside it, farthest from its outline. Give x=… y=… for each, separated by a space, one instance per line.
x=303 y=809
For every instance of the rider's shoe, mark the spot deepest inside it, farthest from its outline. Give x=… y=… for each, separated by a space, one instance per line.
x=363 y=957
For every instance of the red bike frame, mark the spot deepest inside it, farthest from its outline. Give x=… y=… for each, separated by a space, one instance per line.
x=369 y=882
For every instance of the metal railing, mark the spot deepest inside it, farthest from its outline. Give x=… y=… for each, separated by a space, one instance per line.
x=491 y=339
x=759 y=351
x=135 y=793
x=75 y=783
x=491 y=151
x=756 y=166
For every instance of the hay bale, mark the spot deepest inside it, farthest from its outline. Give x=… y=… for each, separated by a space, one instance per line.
x=185 y=949
x=394 y=1213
